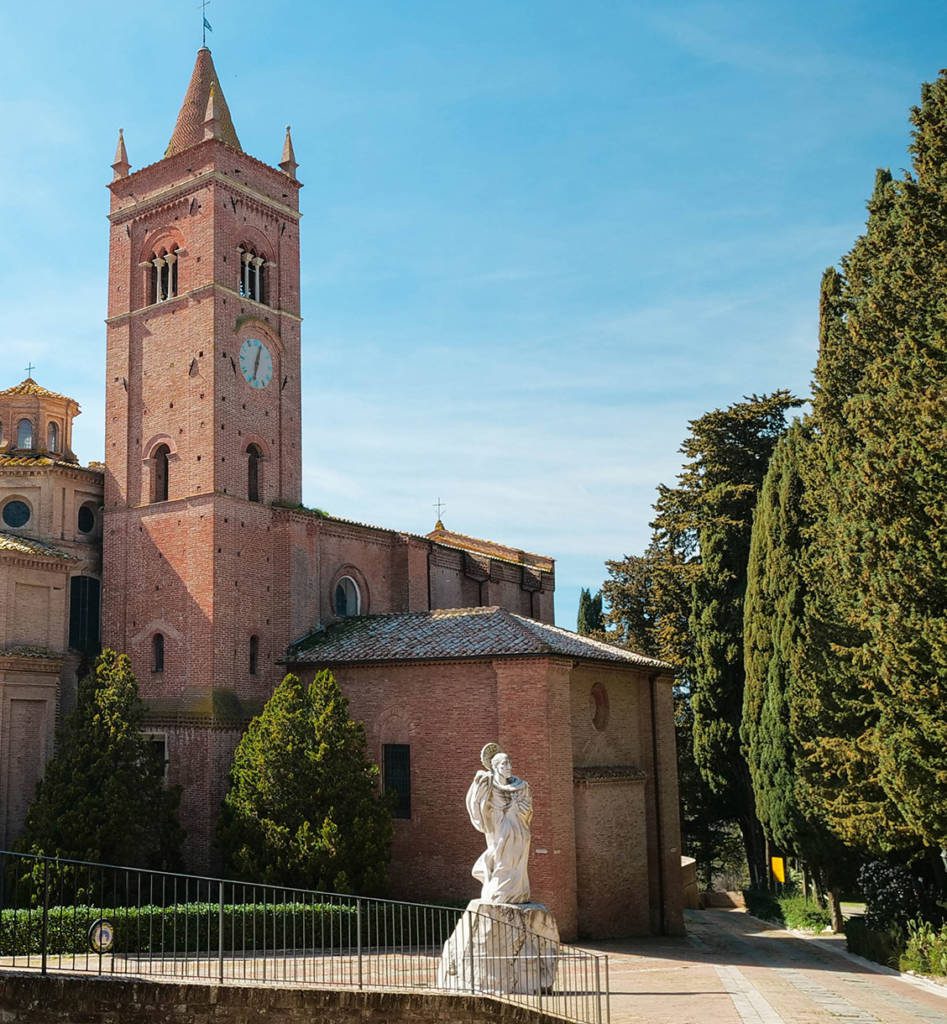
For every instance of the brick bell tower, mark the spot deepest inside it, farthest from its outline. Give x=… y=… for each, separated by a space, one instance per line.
x=202 y=433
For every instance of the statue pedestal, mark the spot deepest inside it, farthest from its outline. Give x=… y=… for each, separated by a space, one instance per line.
x=503 y=948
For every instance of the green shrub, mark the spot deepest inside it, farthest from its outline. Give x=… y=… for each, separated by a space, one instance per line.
x=191 y=928
x=798 y=912
x=884 y=946
x=764 y=905
x=925 y=951
x=792 y=910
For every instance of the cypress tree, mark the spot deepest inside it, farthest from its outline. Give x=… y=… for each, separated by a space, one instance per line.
x=729 y=451
x=879 y=568
x=304 y=808
x=774 y=649
x=590 y=613
x=102 y=797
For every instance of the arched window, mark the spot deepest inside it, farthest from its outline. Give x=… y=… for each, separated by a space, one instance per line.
x=24 y=434
x=157 y=652
x=253 y=472
x=161 y=456
x=252 y=268
x=163 y=275
x=52 y=437
x=254 y=654
x=346 y=600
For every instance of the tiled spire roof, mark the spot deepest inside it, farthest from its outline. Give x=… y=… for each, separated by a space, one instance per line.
x=189 y=130
x=288 y=163
x=120 y=165
x=30 y=387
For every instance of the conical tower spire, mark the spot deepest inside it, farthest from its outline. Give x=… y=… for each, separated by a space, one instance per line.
x=120 y=165
x=288 y=163
x=192 y=117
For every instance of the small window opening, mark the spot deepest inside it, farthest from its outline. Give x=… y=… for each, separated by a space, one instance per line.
x=347 y=600
x=161 y=457
x=164 y=275
x=158 y=750
x=397 y=777
x=253 y=472
x=254 y=655
x=52 y=437
x=157 y=653
x=252 y=268
x=24 y=434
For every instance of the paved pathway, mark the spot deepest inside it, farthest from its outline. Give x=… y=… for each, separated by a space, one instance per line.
x=733 y=969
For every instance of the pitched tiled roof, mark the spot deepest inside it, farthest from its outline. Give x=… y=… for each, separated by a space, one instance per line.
x=449 y=634
x=189 y=129
x=30 y=387
x=29 y=546
x=491 y=548
x=29 y=460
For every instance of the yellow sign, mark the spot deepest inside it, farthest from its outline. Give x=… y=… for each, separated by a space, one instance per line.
x=778 y=866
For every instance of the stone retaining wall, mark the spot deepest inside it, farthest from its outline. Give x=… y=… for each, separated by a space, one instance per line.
x=68 y=999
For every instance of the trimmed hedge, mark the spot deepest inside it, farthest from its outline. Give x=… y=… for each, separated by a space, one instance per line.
x=882 y=946
x=190 y=928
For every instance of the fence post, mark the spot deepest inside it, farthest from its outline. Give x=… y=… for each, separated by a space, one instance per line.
x=470 y=942
x=358 y=937
x=220 y=932
x=45 y=914
x=598 y=990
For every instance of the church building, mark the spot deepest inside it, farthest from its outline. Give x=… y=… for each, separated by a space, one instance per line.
x=216 y=580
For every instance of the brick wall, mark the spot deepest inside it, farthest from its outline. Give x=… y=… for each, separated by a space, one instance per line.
x=34 y=999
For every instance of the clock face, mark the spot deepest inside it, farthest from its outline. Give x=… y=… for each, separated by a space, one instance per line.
x=256 y=363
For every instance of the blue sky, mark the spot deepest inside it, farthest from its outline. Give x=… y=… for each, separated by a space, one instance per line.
x=538 y=238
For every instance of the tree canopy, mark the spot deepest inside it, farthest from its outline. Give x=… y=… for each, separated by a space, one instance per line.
x=102 y=797
x=304 y=807
x=590 y=613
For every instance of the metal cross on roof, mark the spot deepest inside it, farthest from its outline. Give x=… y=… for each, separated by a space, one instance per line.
x=30 y=369
x=439 y=507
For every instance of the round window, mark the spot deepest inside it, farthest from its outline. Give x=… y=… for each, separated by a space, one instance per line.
x=86 y=519
x=16 y=513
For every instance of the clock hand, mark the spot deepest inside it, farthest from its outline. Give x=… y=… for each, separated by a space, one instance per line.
x=256 y=362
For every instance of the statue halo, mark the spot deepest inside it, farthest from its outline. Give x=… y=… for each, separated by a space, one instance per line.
x=488 y=753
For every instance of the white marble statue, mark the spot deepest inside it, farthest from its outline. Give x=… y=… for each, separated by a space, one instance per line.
x=501 y=807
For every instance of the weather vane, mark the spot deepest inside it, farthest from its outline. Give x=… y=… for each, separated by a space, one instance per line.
x=206 y=27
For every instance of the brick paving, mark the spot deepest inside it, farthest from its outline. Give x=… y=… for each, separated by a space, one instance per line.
x=734 y=969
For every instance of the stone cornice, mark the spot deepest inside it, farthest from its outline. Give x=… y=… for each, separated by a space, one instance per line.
x=157 y=308
x=168 y=195
x=48 y=664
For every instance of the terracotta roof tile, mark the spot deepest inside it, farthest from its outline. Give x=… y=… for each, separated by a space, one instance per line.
x=29 y=546
x=189 y=129
x=452 y=633
x=30 y=387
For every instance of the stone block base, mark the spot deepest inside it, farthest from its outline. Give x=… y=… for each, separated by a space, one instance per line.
x=501 y=948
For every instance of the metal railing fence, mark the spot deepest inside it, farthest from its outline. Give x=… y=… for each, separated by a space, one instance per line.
x=76 y=916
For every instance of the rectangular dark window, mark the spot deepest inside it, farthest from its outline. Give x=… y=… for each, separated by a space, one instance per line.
x=84 y=592
x=158 y=749
x=397 y=777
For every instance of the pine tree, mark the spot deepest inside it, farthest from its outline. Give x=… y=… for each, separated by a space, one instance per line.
x=304 y=808
x=102 y=797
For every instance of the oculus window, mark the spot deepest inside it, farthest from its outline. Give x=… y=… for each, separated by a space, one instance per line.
x=16 y=513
